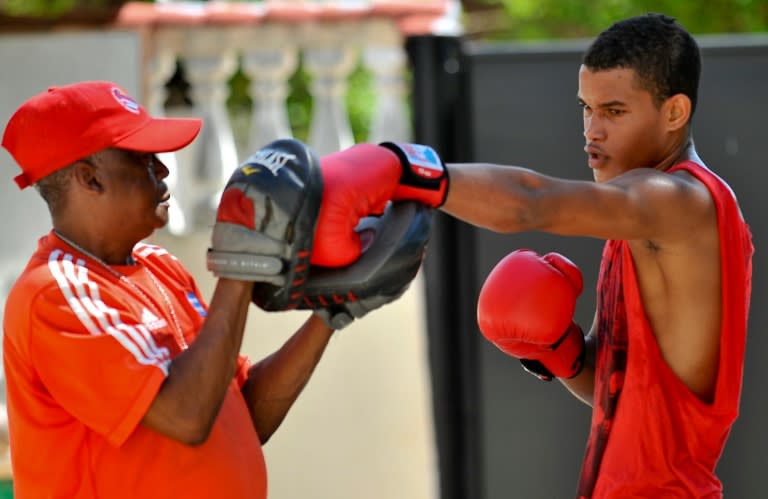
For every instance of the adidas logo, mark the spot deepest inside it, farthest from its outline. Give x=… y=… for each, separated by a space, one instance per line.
x=152 y=321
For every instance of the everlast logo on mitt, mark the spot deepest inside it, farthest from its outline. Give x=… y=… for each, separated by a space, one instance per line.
x=271 y=159
x=265 y=223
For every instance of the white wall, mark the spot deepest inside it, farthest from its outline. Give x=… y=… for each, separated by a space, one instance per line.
x=31 y=64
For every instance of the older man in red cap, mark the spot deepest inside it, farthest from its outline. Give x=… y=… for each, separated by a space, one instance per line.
x=121 y=381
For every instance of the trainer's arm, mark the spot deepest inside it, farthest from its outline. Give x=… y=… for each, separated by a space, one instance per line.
x=189 y=399
x=274 y=383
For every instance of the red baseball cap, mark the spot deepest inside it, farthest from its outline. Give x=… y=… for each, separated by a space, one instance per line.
x=56 y=128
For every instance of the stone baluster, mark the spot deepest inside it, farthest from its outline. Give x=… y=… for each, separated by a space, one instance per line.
x=330 y=54
x=210 y=59
x=384 y=56
x=270 y=57
x=161 y=52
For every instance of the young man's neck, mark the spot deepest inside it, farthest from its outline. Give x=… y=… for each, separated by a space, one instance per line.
x=683 y=151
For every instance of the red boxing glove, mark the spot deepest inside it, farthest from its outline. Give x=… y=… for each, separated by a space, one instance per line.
x=360 y=181
x=526 y=307
x=357 y=182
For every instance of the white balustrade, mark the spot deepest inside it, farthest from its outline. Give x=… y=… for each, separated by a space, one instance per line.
x=209 y=61
x=329 y=60
x=270 y=56
x=270 y=39
x=162 y=49
x=384 y=57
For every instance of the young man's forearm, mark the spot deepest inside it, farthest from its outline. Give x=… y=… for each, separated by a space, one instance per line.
x=583 y=386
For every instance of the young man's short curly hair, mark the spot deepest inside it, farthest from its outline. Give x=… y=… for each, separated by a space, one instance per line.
x=664 y=55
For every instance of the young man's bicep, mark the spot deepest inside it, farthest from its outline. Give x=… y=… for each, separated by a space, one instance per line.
x=633 y=206
x=512 y=199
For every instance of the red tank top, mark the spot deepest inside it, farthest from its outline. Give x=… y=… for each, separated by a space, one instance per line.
x=650 y=436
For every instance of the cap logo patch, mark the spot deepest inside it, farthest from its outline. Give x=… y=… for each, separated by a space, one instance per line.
x=125 y=100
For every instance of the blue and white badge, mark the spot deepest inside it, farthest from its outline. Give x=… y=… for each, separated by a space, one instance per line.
x=424 y=160
x=192 y=298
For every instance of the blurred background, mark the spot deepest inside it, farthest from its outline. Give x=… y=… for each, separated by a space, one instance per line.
x=406 y=402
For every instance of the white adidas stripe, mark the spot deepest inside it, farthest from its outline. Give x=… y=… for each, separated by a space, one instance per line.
x=139 y=334
x=144 y=250
x=83 y=297
x=77 y=307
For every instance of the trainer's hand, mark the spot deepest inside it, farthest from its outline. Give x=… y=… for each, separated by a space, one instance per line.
x=526 y=307
x=360 y=181
x=266 y=220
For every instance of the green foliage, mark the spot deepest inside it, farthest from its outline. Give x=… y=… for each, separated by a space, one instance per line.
x=51 y=9
x=299 y=104
x=541 y=19
x=361 y=101
x=41 y=8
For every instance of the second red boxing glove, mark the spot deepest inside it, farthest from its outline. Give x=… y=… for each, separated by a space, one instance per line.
x=526 y=307
x=360 y=181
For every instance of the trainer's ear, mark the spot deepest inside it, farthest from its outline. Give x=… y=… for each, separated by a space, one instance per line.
x=677 y=111
x=87 y=177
